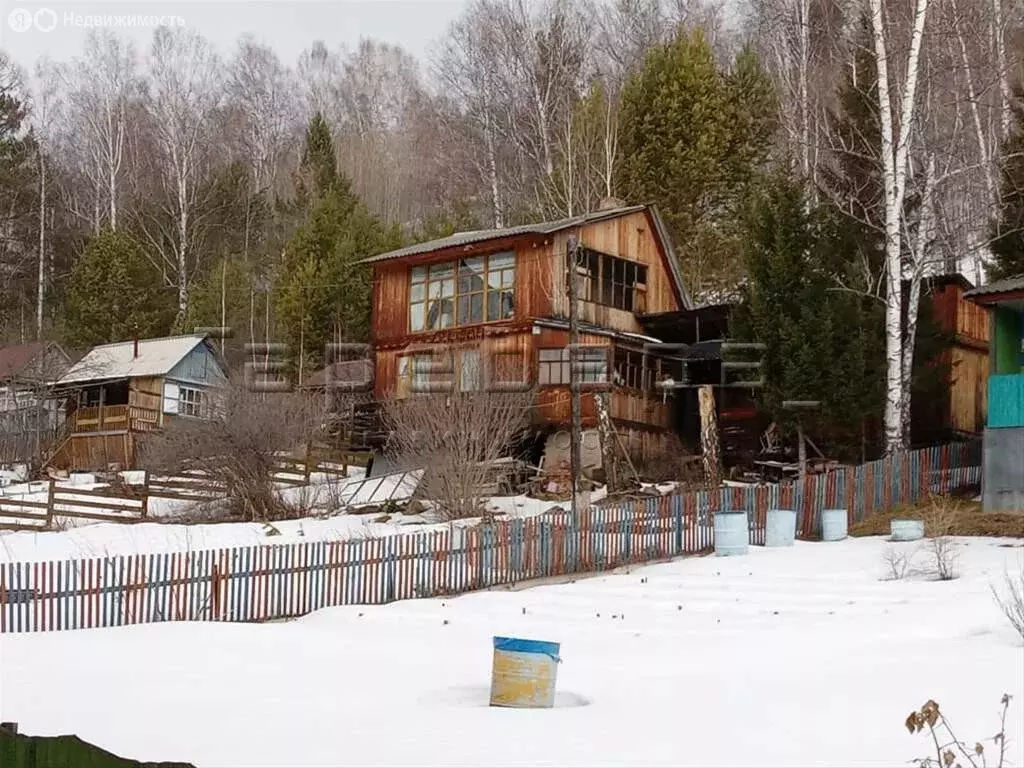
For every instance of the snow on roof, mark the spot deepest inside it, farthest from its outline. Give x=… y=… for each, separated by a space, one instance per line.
x=118 y=361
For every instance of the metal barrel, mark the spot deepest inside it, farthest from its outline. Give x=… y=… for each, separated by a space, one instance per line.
x=834 y=524
x=524 y=673
x=732 y=533
x=780 y=528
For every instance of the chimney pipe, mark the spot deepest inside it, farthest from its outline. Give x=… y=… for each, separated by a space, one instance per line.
x=135 y=345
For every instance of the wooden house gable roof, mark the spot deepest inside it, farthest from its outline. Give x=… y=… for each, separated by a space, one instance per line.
x=156 y=357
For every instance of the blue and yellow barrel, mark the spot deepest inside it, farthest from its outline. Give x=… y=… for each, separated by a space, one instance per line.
x=524 y=673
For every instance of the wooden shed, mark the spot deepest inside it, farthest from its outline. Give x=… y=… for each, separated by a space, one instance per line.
x=967 y=324
x=120 y=390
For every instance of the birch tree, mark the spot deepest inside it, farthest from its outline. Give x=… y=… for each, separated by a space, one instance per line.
x=465 y=68
x=895 y=148
x=43 y=109
x=184 y=90
x=101 y=85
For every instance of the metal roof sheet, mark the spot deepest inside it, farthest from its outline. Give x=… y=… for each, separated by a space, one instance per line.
x=118 y=361
x=1006 y=285
x=483 y=235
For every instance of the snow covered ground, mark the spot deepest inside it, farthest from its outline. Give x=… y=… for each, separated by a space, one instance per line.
x=801 y=656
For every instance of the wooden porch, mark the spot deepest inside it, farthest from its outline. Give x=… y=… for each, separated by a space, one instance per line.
x=98 y=436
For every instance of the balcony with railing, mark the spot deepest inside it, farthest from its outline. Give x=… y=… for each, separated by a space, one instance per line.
x=114 y=418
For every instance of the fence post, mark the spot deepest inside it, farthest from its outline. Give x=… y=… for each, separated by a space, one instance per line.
x=214 y=593
x=49 y=503
x=145 y=494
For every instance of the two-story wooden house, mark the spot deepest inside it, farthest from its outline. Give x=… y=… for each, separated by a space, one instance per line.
x=496 y=302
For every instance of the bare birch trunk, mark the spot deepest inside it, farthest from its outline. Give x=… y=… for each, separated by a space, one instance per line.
x=492 y=170
x=41 y=286
x=985 y=153
x=895 y=149
x=925 y=231
x=182 y=250
x=805 y=107
x=999 y=22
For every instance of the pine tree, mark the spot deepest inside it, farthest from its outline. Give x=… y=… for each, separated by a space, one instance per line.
x=114 y=292
x=1008 y=228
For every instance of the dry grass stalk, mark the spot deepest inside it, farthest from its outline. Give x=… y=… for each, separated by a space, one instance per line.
x=239 y=448
x=950 y=752
x=454 y=436
x=1010 y=600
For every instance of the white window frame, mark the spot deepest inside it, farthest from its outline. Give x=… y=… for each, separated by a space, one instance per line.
x=191 y=401
x=554 y=366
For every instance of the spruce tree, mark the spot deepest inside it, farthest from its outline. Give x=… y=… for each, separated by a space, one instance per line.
x=323 y=292
x=819 y=341
x=114 y=292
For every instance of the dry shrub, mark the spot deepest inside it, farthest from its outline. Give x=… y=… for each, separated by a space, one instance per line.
x=950 y=752
x=1010 y=599
x=454 y=436
x=238 y=447
x=940 y=521
x=897 y=563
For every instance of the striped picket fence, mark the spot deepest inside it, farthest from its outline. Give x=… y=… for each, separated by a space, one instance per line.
x=261 y=583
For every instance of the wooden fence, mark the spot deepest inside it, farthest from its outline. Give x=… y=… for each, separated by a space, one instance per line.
x=275 y=582
x=127 y=503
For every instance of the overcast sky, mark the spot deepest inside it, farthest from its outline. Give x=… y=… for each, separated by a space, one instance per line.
x=288 y=25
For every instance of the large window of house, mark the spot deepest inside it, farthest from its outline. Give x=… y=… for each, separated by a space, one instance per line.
x=463 y=292
x=612 y=281
x=554 y=366
x=190 y=402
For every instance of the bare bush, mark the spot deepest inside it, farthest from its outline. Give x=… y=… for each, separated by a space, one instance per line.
x=455 y=436
x=950 y=752
x=897 y=563
x=1010 y=599
x=238 y=447
x=940 y=519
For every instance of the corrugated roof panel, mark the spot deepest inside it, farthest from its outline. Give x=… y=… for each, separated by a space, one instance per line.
x=1006 y=285
x=118 y=361
x=483 y=235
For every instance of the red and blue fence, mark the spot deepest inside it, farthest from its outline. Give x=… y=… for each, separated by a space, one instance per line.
x=265 y=582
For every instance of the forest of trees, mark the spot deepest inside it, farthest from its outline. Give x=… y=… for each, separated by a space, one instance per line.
x=835 y=150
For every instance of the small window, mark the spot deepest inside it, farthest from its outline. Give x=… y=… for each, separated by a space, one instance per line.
x=190 y=402
x=554 y=366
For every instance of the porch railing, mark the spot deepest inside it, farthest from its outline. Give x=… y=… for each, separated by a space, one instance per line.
x=108 y=418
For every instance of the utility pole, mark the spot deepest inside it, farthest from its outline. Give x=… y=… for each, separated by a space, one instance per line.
x=574 y=379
